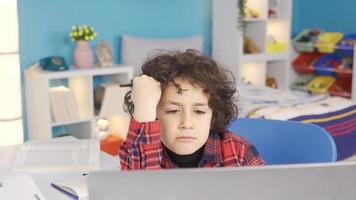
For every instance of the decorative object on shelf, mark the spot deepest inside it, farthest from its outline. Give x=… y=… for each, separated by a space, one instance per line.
x=274 y=46
x=327 y=41
x=305 y=40
x=271 y=82
x=273 y=8
x=104 y=54
x=251 y=13
x=250 y=46
x=241 y=11
x=301 y=82
x=83 y=54
x=320 y=84
x=111 y=144
x=102 y=126
x=53 y=63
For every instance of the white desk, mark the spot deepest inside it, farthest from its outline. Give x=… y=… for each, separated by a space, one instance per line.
x=43 y=180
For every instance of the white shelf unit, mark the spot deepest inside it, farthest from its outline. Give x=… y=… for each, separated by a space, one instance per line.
x=82 y=83
x=227 y=45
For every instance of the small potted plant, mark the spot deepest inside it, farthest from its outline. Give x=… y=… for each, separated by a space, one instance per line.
x=83 y=54
x=241 y=4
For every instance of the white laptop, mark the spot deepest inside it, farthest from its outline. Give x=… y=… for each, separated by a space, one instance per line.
x=324 y=181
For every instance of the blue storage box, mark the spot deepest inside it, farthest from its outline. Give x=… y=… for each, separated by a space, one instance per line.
x=346 y=44
x=326 y=64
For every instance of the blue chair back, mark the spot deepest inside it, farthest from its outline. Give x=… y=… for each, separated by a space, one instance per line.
x=286 y=142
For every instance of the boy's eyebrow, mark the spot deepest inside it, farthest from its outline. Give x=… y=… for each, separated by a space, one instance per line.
x=179 y=104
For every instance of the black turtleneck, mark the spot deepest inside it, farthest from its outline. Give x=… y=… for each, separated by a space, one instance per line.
x=186 y=161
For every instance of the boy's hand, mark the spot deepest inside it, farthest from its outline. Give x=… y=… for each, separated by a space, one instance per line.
x=146 y=93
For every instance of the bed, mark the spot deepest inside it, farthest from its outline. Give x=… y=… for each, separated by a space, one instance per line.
x=335 y=114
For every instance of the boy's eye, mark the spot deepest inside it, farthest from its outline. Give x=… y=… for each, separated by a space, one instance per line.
x=199 y=112
x=172 y=111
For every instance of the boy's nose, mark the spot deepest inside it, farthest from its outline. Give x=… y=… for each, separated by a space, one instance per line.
x=186 y=121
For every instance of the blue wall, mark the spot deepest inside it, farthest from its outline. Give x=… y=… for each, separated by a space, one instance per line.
x=330 y=15
x=45 y=24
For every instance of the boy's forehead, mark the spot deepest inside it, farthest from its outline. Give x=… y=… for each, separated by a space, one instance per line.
x=190 y=92
x=184 y=84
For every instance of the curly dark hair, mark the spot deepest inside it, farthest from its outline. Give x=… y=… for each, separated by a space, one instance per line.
x=199 y=70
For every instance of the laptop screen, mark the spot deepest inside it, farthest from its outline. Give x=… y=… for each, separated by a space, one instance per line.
x=303 y=181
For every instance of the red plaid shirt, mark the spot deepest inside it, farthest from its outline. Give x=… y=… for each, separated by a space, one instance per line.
x=143 y=149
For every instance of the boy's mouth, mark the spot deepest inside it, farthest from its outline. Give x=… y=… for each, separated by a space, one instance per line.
x=185 y=139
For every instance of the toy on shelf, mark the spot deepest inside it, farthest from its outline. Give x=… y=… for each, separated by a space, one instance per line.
x=301 y=82
x=326 y=64
x=334 y=64
x=305 y=41
x=111 y=144
x=347 y=43
x=304 y=63
x=274 y=8
x=341 y=87
x=271 y=82
x=327 y=41
x=251 y=13
x=274 y=46
x=250 y=47
x=320 y=84
x=345 y=69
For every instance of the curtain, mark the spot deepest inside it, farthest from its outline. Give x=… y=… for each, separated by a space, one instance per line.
x=11 y=128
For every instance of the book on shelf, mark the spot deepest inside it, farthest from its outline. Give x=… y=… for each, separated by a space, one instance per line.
x=63 y=105
x=71 y=106
x=58 y=155
x=109 y=99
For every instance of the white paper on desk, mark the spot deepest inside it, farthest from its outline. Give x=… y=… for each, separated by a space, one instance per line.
x=76 y=186
x=53 y=155
x=19 y=186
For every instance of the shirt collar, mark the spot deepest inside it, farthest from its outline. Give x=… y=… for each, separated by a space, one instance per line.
x=212 y=151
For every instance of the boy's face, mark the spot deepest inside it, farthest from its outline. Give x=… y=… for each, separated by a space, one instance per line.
x=184 y=118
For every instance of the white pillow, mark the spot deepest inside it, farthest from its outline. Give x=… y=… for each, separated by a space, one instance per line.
x=135 y=50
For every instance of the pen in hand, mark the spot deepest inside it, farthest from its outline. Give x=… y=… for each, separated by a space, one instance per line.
x=126 y=85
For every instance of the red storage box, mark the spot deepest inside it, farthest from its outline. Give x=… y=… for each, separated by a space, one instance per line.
x=341 y=87
x=343 y=73
x=303 y=64
x=345 y=69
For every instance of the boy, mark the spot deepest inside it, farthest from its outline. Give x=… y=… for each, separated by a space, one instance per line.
x=181 y=106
